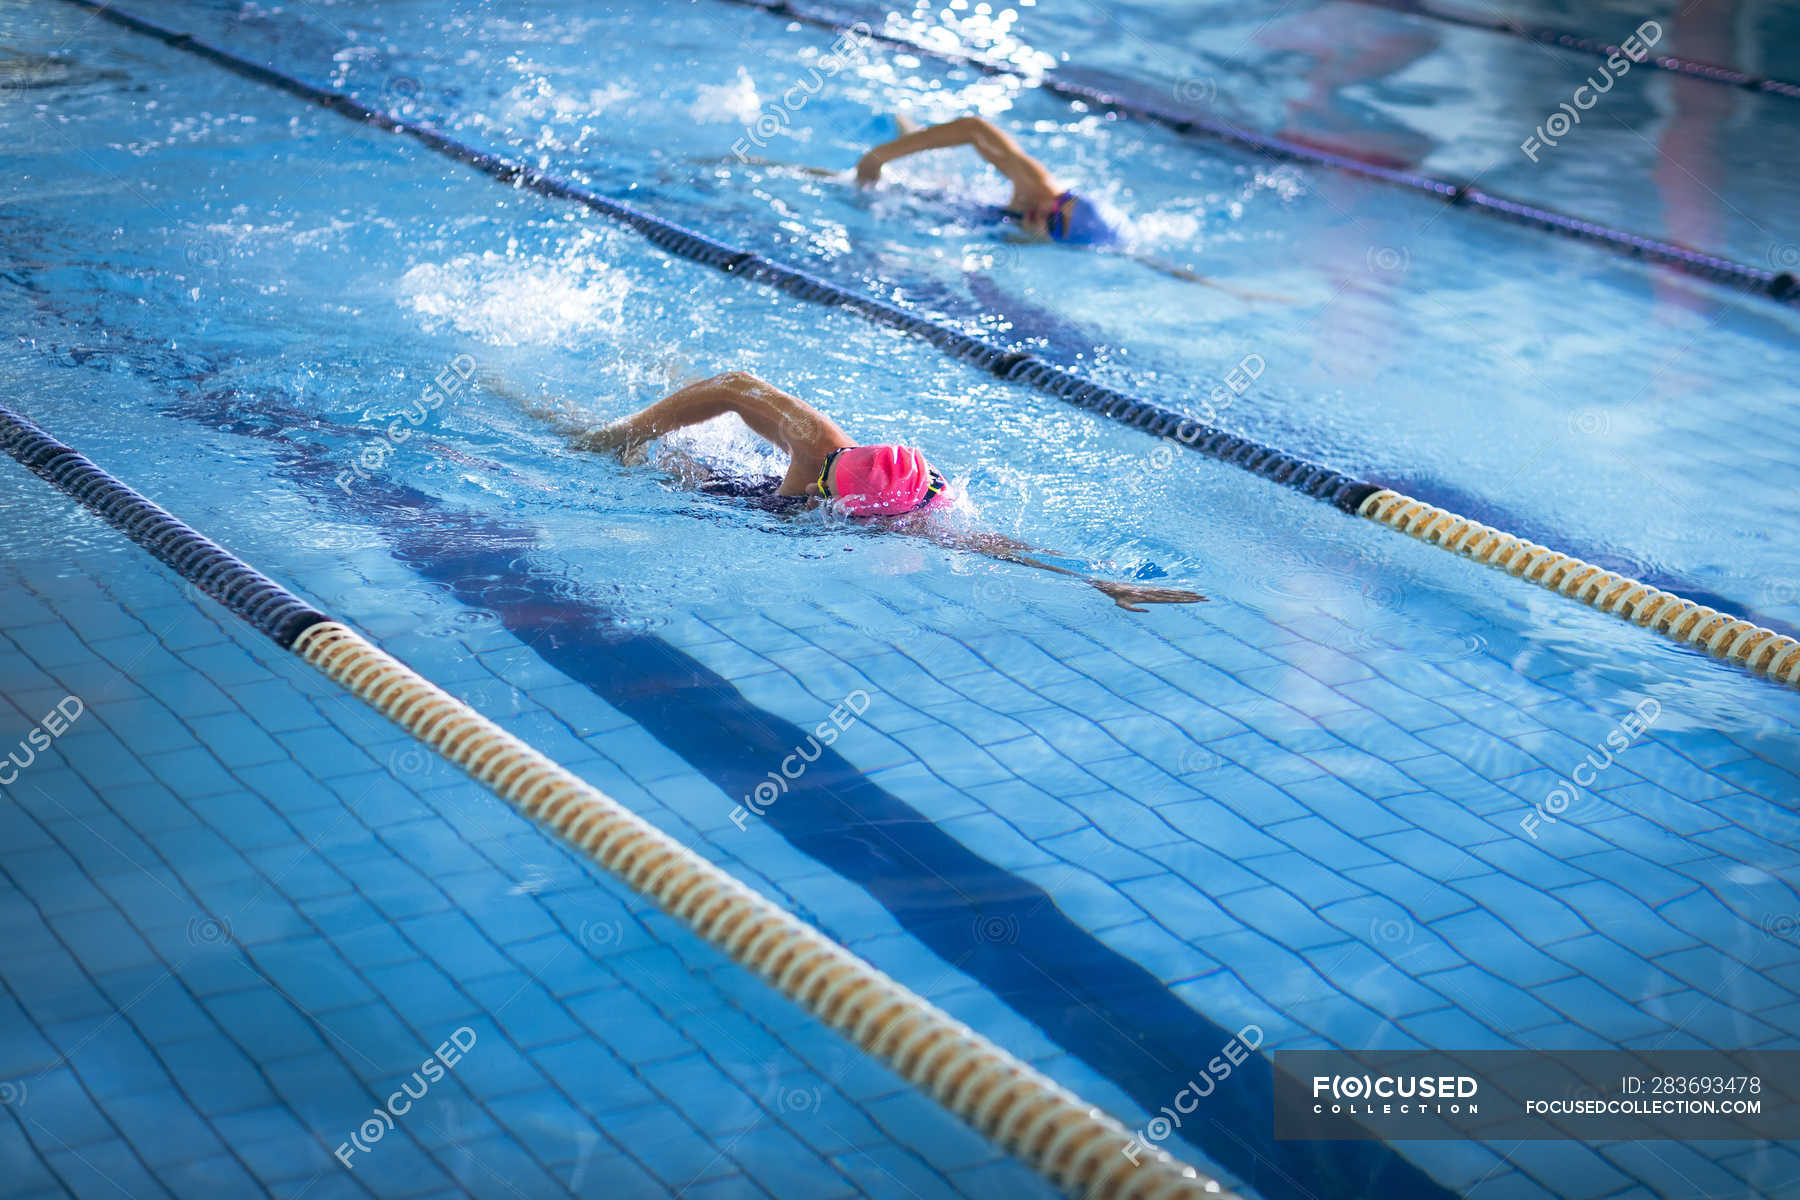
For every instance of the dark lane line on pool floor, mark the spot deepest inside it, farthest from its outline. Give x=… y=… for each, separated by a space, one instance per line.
x=1099 y=1005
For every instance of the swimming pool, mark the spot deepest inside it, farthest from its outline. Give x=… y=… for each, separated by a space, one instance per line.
x=241 y=903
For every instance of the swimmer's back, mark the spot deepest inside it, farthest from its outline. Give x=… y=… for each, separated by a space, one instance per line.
x=758 y=491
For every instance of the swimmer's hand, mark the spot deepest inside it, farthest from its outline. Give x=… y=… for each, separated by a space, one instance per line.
x=751 y=160
x=1129 y=595
x=1184 y=274
x=868 y=168
x=564 y=416
x=997 y=545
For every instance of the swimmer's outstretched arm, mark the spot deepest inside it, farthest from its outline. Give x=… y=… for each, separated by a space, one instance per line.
x=562 y=417
x=1029 y=176
x=807 y=436
x=793 y=426
x=998 y=546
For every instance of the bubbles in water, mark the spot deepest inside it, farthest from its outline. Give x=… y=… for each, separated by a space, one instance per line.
x=509 y=301
x=726 y=444
x=735 y=101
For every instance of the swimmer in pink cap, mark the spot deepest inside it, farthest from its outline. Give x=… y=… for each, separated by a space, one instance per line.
x=824 y=467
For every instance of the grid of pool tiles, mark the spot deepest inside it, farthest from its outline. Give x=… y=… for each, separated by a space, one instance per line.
x=1355 y=876
x=1329 y=846
x=1359 y=882
x=237 y=910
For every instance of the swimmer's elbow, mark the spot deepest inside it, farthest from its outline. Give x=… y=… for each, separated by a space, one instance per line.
x=737 y=381
x=984 y=135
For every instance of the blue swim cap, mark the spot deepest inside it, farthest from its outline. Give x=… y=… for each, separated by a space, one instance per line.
x=1078 y=221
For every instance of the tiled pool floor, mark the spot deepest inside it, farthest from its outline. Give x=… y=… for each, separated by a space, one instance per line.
x=238 y=911
x=239 y=907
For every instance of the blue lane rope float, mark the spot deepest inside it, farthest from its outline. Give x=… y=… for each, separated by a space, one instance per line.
x=1564 y=40
x=1732 y=638
x=1077 y=1147
x=1782 y=286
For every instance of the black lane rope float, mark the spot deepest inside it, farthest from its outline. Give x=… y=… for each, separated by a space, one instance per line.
x=264 y=604
x=1564 y=40
x=1783 y=286
x=1069 y=1141
x=1729 y=637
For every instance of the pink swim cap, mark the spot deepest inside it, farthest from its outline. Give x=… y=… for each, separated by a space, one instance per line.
x=882 y=481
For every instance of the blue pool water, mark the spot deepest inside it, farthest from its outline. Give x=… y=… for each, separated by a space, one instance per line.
x=239 y=908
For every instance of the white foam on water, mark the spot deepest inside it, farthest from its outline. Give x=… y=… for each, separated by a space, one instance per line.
x=735 y=101
x=513 y=301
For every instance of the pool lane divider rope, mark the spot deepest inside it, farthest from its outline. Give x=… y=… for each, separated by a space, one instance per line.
x=1732 y=638
x=1073 y=1144
x=1782 y=286
x=1722 y=635
x=1581 y=44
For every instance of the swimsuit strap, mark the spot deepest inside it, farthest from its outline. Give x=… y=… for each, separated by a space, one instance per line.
x=1049 y=210
x=937 y=486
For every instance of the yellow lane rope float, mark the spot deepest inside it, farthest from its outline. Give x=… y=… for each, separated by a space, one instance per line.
x=1072 y=1143
x=1731 y=638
